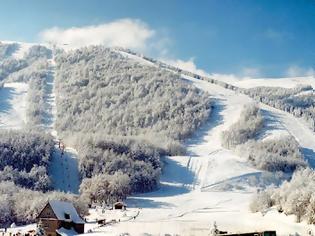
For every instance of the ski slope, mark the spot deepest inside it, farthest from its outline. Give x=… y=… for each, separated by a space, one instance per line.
x=13 y=105
x=21 y=50
x=280 y=82
x=212 y=183
x=64 y=164
x=64 y=169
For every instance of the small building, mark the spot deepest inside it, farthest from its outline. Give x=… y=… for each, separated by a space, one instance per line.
x=261 y=233
x=59 y=217
x=119 y=206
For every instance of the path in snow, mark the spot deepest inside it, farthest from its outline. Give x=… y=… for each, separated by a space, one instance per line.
x=64 y=166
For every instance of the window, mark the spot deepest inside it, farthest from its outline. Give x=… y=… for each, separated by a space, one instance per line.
x=67 y=216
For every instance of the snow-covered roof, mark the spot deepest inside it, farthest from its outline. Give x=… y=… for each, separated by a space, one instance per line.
x=120 y=203
x=66 y=232
x=61 y=209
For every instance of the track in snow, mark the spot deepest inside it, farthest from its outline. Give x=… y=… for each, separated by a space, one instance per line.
x=64 y=166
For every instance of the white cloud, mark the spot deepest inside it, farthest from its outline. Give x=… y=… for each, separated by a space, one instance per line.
x=251 y=72
x=297 y=71
x=128 y=33
x=188 y=65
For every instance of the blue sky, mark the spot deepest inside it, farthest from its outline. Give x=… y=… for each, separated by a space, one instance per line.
x=246 y=37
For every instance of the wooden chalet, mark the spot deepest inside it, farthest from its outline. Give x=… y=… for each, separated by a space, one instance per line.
x=119 y=206
x=60 y=218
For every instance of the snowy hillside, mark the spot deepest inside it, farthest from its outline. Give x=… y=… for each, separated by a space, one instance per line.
x=206 y=183
x=213 y=184
x=22 y=106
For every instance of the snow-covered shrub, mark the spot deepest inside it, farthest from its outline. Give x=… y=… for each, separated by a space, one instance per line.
x=292 y=197
x=38 y=52
x=25 y=157
x=245 y=128
x=100 y=92
x=104 y=188
x=261 y=202
x=281 y=154
x=36 y=69
x=36 y=101
x=8 y=66
x=298 y=101
x=37 y=178
x=22 y=205
x=38 y=86
x=139 y=160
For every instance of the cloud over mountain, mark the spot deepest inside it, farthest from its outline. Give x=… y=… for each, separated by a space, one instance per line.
x=129 y=33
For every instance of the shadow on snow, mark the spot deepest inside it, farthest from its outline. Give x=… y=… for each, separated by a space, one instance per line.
x=215 y=118
x=6 y=94
x=309 y=156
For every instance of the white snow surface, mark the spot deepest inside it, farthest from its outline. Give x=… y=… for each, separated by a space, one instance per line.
x=64 y=164
x=135 y=58
x=13 y=97
x=64 y=170
x=275 y=82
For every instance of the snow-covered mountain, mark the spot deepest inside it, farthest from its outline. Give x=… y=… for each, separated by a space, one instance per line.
x=208 y=182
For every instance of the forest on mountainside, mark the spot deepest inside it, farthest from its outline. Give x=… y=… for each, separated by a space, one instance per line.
x=122 y=115
x=25 y=157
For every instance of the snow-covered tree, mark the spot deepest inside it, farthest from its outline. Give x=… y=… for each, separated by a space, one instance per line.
x=292 y=197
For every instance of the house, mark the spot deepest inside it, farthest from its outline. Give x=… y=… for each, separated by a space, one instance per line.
x=119 y=206
x=263 y=233
x=60 y=218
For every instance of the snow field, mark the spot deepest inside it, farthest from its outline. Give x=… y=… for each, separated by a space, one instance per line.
x=13 y=105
